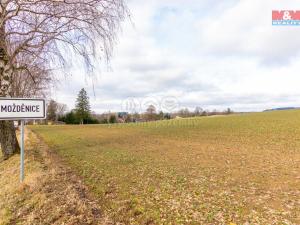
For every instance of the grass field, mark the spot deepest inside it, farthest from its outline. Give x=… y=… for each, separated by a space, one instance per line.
x=243 y=169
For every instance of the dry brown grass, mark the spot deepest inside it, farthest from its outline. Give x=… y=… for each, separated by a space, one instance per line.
x=51 y=193
x=243 y=169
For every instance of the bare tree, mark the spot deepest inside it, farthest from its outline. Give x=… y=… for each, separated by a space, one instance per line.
x=151 y=112
x=184 y=112
x=52 y=110
x=36 y=84
x=61 y=109
x=35 y=36
x=198 y=111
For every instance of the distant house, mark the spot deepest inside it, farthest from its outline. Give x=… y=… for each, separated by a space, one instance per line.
x=120 y=120
x=122 y=115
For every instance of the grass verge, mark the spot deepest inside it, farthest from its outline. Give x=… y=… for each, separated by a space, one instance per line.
x=51 y=193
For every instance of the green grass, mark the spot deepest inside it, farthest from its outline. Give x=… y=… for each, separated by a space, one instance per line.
x=239 y=168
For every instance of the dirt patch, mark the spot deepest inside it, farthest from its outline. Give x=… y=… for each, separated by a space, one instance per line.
x=51 y=193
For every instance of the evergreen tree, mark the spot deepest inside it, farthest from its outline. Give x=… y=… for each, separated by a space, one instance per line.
x=70 y=118
x=112 y=119
x=83 y=109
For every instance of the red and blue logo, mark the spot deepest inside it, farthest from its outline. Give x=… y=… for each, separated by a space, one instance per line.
x=285 y=18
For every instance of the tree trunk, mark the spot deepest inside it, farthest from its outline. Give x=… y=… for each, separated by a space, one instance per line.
x=8 y=139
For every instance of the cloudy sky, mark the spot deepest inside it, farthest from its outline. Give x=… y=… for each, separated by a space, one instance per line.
x=208 y=53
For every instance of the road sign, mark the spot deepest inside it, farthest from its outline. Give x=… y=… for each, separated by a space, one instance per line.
x=22 y=109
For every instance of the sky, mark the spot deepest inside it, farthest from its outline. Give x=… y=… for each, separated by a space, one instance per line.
x=186 y=53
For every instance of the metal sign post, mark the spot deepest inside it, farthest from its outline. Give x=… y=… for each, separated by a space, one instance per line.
x=22 y=152
x=22 y=109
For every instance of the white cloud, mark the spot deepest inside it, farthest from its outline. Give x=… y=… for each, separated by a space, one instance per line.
x=205 y=53
x=246 y=30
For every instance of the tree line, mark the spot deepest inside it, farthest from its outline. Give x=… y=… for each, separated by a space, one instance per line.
x=82 y=113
